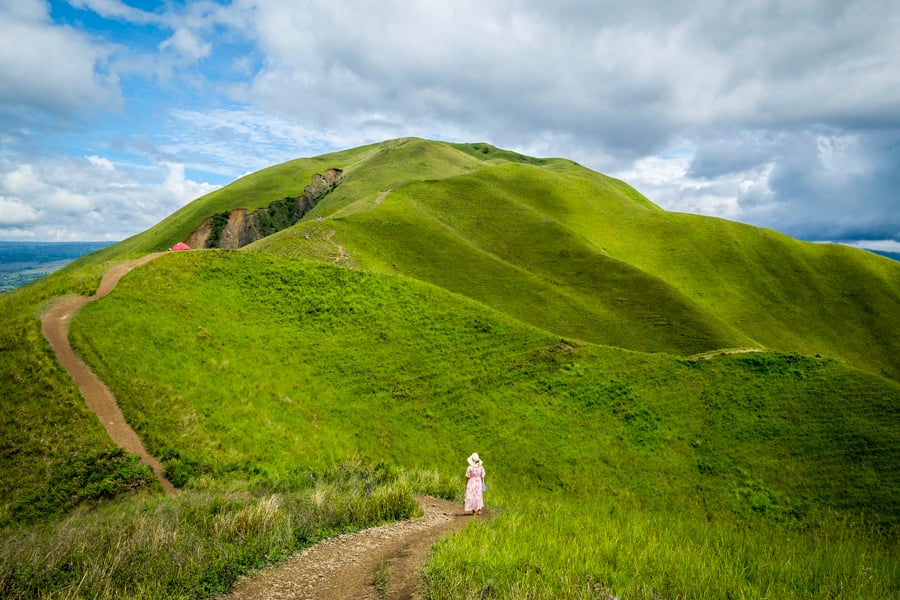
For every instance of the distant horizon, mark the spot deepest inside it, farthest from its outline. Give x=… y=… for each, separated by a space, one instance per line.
x=22 y=262
x=109 y=242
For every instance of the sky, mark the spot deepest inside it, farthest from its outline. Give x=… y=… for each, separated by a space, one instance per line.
x=779 y=114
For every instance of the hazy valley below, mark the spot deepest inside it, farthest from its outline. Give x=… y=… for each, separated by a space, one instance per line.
x=23 y=262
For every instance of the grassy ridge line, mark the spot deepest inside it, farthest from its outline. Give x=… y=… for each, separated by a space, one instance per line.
x=588 y=297
x=395 y=163
x=753 y=286
x=655 y=316
x=471 y=236
x=787 y=294
x=367 y=171
x=739 y=285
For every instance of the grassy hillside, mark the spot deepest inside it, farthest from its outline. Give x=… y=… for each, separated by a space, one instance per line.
x=552 y=239
x=586 y=256
x=328 y=362
x=241 y=366
x=447 y=298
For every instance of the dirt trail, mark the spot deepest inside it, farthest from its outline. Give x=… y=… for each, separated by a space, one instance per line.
x=55 y=325
x=342 y=252
x=345 y=567
x=381 y=197
x=336 y=569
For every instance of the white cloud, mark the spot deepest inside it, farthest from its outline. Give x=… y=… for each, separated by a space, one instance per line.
x=742 y=195
x=187 y=44
x=114 y=9
x=103 y=163
x=89 y=199
x=47 y=66
x=628 y=79
x=781 y=114
x=14 y=212
x=880 y=245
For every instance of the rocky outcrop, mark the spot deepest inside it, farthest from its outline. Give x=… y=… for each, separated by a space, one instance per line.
x=237 y=228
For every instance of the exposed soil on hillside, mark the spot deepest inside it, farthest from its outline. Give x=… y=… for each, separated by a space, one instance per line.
x=55 y=325
x=346 y=566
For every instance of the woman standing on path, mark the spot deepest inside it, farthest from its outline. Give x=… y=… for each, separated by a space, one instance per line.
x=474 y=485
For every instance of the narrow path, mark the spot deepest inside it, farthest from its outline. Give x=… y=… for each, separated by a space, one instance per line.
x=342 y=252
x=55 y=326
x=335 y=569
x=344 y=567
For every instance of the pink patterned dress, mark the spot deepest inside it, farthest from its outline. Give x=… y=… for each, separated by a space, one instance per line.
x=474 y=488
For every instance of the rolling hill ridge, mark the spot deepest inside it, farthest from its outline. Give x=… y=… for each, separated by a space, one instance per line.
x=578 y=253
x=446 y=298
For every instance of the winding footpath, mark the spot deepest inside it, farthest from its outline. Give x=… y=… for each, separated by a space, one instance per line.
x=335 y=569
x=55 y=326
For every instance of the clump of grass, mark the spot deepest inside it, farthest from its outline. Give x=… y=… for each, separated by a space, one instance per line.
x=381 y=580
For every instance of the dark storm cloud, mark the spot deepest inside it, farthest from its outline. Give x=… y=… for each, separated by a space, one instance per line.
x=855 y=176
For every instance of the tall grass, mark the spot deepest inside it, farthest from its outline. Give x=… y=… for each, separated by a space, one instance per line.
x=549 y=546
x=198 y=543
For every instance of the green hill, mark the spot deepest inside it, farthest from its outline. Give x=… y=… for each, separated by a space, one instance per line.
x=447 y=298
x=585 y=256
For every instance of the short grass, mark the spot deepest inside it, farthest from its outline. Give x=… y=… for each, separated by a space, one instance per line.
x=493 y=249
x=546 y=239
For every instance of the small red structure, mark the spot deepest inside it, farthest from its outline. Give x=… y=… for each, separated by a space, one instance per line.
x=179 y=246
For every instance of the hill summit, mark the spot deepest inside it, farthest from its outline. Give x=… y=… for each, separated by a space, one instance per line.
x=568 y=250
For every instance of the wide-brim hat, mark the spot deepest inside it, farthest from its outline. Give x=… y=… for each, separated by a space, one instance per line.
x=474 y=460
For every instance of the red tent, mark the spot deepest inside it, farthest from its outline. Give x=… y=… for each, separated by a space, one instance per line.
x=180 y=246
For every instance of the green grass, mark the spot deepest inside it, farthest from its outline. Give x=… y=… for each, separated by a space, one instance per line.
x=549 y=547
x=197 y=544
x=546 y=240
x=549 y=317
x=242 y=365
x=218 y=339
x=381 y=579
x=54 y=453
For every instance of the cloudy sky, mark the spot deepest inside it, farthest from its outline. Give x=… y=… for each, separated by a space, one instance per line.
x=782 y=114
